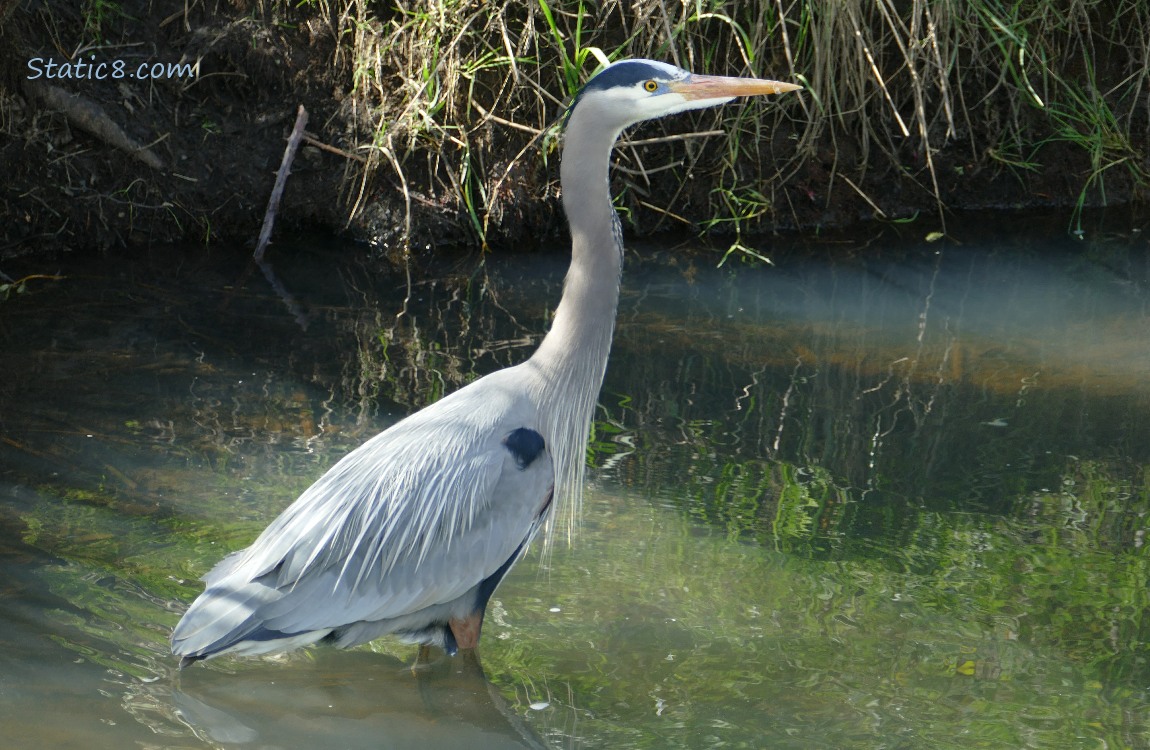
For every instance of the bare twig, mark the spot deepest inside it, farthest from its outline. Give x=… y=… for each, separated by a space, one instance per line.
x=671 y=138
x=878 y=77
x=313 y=141
x=665 y=212
x=864 y=196
x=507 y=123
x=281 y=180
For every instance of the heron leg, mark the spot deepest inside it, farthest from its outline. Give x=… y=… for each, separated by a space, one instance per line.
x=466 y=629
x=422 y=659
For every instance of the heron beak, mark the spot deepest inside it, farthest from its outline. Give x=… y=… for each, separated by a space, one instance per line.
x=718 y=87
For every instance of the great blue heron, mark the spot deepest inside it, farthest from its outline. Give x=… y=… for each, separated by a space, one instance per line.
x=412 y=532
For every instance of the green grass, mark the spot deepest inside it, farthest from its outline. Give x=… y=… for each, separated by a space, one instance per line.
x=97 y=14
x=463 y=98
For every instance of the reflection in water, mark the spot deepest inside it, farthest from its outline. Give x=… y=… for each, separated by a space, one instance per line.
x=835 y=503
x=952 y=382
x=366 y=701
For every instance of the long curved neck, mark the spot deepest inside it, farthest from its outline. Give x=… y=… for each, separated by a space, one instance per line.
x=580 y=335
x=572 y=358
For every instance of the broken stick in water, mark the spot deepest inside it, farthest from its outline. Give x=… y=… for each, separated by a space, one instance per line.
x=281 y=179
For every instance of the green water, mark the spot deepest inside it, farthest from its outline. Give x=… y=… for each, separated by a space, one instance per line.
x=841 y=502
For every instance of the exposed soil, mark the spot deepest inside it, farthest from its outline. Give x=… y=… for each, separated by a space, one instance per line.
x=213 y=142
x=217 y=138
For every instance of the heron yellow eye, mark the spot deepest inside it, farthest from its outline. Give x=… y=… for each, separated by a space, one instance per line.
x=651 y=87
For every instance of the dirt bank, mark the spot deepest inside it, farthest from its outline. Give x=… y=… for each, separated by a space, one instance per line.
x=134 y=122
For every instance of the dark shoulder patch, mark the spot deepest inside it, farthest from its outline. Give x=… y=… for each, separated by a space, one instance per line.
x=525 y=445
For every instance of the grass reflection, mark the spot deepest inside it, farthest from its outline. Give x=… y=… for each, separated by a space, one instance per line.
x=669 y=635
x=659 y=630
x=808 y=549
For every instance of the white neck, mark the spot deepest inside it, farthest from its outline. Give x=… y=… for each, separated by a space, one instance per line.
x=572 y=358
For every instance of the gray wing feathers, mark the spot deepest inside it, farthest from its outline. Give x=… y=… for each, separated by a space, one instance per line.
x=415 y=517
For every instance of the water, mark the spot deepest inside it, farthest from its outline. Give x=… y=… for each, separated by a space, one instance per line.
x=843 y=502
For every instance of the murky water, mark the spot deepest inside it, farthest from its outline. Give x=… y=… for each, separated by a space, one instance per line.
x=838 y=503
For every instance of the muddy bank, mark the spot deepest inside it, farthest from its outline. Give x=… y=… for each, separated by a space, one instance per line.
x=146 y=122
x=212 y=136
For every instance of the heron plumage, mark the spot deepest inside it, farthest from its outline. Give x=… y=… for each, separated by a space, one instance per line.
x=412 y=532
x=357 y=545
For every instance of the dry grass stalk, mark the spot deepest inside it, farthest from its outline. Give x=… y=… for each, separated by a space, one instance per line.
x=449 y=88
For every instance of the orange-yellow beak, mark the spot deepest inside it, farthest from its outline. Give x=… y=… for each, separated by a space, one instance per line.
x=718 y=87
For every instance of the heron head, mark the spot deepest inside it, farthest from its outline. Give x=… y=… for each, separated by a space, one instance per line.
x=637 y=90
